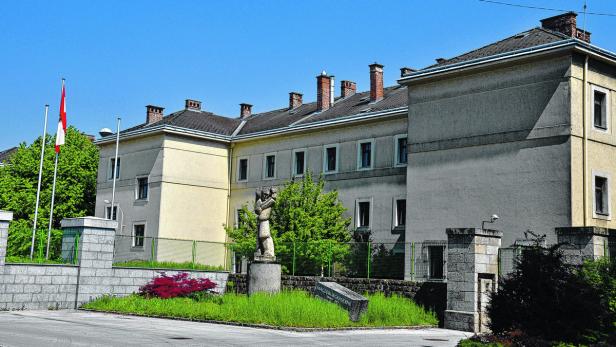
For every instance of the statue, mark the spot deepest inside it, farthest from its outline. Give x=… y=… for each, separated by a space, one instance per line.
x=265 y=199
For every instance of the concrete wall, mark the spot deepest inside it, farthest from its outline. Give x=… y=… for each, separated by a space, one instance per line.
x=491 y=142
x=381 y=184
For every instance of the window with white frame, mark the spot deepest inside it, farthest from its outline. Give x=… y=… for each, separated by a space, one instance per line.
x=400 y=212
x=401 y=150
x=299 y=162
x=142 y=188
x=108 y=212
x=600 y=108
x=602 y=196
x=242 y=169
x=365 y=154
x=269 y=166
x=363 y=213
x=114 y=170
x=330 y=159
x=138 y=235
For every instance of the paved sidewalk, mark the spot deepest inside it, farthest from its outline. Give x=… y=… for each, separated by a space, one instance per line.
x=80 y=328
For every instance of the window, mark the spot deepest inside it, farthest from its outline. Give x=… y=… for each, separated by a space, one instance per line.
x=138 y=235
x=600 y=108
x=113 y=168
x=363 y=214
x=142 y=188
x=436 y=262
x=108 y=212
x=400 y=217
x=270 y=166
x=601 y=196
x=242 y=169
x=330 y=159
x=299 y=162
x=400 y=153
x=365 y=154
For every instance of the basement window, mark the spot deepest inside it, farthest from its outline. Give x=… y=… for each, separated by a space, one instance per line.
x=138 y=235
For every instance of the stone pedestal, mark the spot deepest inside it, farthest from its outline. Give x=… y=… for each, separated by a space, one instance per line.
x=264 y=277
x=583 y=243
x=472 y=273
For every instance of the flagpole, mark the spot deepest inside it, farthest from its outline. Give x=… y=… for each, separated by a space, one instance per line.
x=40 y=176
x=53 y=195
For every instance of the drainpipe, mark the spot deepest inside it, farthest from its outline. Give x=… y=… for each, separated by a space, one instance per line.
x=584 y=138
x=229 y=175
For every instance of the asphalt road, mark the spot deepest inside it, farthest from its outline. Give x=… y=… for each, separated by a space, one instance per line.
x=80 y=328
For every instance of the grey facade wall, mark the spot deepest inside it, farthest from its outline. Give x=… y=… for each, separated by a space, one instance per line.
x=492 y=142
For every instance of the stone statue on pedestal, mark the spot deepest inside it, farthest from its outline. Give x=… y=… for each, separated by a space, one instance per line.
x=264 y=200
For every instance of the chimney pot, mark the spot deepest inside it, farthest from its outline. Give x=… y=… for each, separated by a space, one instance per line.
x=566 y=23
x=406 y=71
x=347 y=88
x=323 y=91
x=194 y=105
x=376 y=82
x=440 y=60
x=245 y=110
x=153 y=114
x=295 y=100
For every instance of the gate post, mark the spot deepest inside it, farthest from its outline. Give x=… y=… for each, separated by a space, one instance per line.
x=5 y=218
x=472 y=272
x=586 y=243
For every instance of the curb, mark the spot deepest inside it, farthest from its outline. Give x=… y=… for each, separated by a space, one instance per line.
x=264 y=326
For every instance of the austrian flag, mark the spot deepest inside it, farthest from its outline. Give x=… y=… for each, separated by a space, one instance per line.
x=61 y=134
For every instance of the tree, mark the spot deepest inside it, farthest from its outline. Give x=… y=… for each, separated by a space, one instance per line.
x=75 y=189
x=306 y=221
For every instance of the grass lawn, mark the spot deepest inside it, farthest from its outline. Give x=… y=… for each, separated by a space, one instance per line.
x=168 y=265
x=27 y=260
x=288 y=309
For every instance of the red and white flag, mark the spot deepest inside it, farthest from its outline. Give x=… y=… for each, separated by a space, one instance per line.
x=61 y=134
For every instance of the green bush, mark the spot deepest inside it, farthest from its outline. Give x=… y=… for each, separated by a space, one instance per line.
x=547 y=299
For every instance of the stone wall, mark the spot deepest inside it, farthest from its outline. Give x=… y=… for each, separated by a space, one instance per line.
x=29 y=286
x=431 y=295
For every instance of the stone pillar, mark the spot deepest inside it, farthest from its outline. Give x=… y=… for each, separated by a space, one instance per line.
x=5 y=218
x=94 y=255
x=472 y=272
x=583 y=243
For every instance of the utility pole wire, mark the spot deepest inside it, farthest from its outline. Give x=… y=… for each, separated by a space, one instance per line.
x=544 y=8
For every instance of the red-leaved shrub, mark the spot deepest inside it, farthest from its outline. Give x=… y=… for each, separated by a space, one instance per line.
x=177 y=285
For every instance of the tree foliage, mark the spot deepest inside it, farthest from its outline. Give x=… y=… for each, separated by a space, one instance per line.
x=305 y=220
x=75 y=189
x=546 y=299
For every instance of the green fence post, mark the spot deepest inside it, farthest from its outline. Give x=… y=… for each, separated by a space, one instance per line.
x=330 y=258
x=368 y=257
x=194 y=252
x=293 y=271
x=152 y=252
x=76 y=249
x=412 y=261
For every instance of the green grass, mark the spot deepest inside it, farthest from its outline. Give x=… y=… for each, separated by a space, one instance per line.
x=168 y=265
x=27 y=260
x=288 y=309
x=474 y=343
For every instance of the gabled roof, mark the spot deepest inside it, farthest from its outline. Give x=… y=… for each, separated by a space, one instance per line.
x=523 y=40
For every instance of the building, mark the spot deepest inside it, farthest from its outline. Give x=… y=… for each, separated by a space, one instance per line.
x=6 y=155
x=521 y=128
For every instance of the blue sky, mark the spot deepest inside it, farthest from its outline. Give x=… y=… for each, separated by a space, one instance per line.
x=119 y=56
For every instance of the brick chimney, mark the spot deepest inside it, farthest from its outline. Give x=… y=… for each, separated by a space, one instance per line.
x=440 y=60
x=376 y=82
x=295 y=100
x=347 y=88
x=406 y=71
x=245 y=110
x=194 y=105
x=153 y=114
x=566 y=23
x=323 y=91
